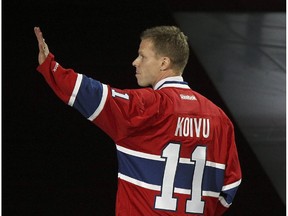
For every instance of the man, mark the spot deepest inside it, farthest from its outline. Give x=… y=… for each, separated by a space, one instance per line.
x=176 y=149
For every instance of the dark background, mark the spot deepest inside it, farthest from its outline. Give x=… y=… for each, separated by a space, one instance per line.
x=54 y=162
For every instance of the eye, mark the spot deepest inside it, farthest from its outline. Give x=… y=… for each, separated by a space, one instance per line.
x=140 y=56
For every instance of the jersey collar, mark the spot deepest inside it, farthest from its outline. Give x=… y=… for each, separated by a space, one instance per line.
x=175 y=81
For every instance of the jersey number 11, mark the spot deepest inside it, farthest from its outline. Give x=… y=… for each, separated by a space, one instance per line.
x=166 y=201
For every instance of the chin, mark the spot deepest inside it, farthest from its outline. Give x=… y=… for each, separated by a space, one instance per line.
x=143 y=83
x=139 y=83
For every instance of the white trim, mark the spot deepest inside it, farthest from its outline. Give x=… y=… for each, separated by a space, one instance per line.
x=230 y=186
x=174 y=78
x=176 y=85
x=204 y=193
x=101 y=104
x=139 y=183
x=186 y=161
x=182 y=191
x=216 y=165
x=210 y=193
x=223 y=202
x=75 y=90
x=139 y=154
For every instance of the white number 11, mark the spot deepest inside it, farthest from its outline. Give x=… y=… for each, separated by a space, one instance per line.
x=166 y=201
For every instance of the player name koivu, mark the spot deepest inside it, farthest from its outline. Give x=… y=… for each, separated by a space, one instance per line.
x=192 y=127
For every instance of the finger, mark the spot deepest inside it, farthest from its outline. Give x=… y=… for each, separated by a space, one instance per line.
x=41 y=41
x=39 y=35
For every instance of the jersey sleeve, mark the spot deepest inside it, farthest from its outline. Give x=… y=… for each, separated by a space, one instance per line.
x=117 y=112
x=61 y=81
x=233 y=175
x=127 y=112
x=86 y=95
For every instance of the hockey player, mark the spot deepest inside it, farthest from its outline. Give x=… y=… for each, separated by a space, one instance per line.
x=176 y=149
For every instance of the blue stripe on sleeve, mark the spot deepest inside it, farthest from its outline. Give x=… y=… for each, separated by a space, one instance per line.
x=229 y=195
x=213 y=179
x=88 y=97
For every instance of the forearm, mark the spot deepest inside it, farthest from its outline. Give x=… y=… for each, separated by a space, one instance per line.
x=62 y=81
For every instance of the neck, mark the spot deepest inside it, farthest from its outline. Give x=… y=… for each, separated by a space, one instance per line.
x=163 y=75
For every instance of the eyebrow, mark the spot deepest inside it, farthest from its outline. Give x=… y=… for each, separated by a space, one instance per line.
x=140 y=52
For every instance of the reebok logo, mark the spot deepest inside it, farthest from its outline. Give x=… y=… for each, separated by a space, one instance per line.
x=55 y=67
x=187 y=97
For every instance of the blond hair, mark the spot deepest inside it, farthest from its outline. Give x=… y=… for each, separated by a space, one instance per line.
x=171 y=42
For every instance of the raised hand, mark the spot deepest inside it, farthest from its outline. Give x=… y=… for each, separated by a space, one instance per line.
x=43 y=47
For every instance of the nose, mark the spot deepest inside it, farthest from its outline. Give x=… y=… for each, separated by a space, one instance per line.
x=134 y=63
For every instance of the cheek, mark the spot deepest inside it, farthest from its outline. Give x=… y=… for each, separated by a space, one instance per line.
x=149 y=65
x=146 y=76
x=153 y=69
x=149 y=69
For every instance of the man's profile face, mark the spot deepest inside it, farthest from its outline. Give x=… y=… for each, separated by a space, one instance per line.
x=147 y=64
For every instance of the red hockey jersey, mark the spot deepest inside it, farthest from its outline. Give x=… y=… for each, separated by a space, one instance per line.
x=176 y=149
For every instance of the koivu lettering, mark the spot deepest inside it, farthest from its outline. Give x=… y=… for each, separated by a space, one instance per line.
x=192 y=127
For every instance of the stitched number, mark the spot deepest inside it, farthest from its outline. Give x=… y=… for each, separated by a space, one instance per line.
x=195 y=204
x=117 y=94
x=166 y=201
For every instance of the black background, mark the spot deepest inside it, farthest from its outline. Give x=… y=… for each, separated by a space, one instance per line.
x=55 y=162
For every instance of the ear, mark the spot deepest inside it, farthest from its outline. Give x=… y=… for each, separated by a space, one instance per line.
x=165 y=64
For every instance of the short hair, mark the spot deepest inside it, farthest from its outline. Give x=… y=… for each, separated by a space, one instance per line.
x=169 y=41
